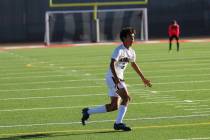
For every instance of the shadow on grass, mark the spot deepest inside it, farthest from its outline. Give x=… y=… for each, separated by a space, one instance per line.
x=58 y=134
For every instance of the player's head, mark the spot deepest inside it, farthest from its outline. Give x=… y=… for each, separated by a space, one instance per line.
x=127 y=35
x=174 y=22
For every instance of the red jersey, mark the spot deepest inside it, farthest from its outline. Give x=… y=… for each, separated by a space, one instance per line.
x=173 y=30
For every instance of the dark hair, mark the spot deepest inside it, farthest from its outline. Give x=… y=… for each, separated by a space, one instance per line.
x=126 y=31
x=174 y=21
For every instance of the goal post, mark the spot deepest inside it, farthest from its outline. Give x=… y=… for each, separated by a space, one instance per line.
x=76 y=26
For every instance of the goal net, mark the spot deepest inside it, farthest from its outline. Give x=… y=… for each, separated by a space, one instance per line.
x=63 y=27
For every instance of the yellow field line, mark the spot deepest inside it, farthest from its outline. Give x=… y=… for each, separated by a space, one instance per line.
x=133 y=2
x=100 y=130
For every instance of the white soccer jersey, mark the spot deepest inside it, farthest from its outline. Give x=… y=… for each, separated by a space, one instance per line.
x=123 y=56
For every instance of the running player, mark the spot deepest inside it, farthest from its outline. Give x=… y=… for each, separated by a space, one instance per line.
x=121 y=56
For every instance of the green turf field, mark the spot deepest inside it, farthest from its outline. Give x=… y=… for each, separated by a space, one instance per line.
x=42 y=92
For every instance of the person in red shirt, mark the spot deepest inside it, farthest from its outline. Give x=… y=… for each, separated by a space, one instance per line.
x=173 y=32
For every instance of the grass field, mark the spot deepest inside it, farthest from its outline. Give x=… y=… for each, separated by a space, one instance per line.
x=42 y=92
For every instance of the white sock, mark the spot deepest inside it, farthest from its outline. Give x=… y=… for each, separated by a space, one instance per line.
x=99 y=109
x=121 y=113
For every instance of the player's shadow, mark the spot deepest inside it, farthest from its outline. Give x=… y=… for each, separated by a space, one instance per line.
x=29 y=136
x=58 y=134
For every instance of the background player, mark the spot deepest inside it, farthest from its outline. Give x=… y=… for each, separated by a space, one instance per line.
x=173 y=32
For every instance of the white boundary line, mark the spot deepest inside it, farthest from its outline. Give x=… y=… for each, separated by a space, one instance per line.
x=95 y=66
x=104 y=66
x=73 y=107
x=86 y=79
x=200 y=112
x=201 y=138
x=192 y=106
x=148 y=71
x=48 y=97
x=96 y=86
x=102 y=94
x=69 y=67
x=101 y=66
x=132 y=91
x=104 y=121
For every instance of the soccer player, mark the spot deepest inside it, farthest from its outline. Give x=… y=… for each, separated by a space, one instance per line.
x=122 y=55
x=173 y=32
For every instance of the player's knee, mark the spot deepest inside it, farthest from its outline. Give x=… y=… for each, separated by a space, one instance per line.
x=112 y=107
x=126 y=99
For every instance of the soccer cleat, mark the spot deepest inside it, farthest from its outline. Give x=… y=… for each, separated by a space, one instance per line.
x=121 y=126
x=85 y=115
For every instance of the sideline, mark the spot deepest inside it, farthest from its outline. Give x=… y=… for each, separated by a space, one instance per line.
x=39 y=45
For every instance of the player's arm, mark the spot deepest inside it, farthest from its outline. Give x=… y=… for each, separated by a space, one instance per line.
x=178 y=30
x=113 y=70
x=169 y=31
x=138 y=71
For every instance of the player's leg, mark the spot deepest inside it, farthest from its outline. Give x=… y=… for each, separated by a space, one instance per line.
x=123 y=106
x=177 y=43
x=114 y=105
x=170 y=42
x=123 y=93
x=86 y=112
x=100 y=109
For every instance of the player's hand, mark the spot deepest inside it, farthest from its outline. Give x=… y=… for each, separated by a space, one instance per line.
x=117 y=83
x=147 y=83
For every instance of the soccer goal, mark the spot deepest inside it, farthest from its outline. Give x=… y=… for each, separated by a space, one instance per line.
x=82 y=26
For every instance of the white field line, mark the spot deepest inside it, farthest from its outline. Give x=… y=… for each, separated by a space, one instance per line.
x=151 y=56
x=54 y=81
x=72 y=73
x=99 y=66
x=96 y=86
x=85 y=95
x=37 y=61
x=183 y=82
x=73 y=107
x=79 y=66
x=143 y=94
x=49 y=88
x=48 y=97
x=104 y=121
x=157 y=98
x=103 y=67
x=200 y=112
x=201 y=138
x=86 y=79
x=166 y=91
x=191 y=106
x=197 y=109
x=193 y=103
x=34 y=76
x=13 y=75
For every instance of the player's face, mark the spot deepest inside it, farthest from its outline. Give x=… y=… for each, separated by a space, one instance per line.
x=129 y=40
